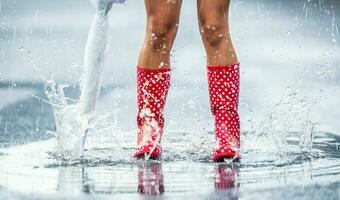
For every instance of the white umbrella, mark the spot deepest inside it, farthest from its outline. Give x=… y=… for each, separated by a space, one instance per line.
x=94 y=55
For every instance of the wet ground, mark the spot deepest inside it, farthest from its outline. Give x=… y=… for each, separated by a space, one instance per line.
x=35 y=171
x=289 y=95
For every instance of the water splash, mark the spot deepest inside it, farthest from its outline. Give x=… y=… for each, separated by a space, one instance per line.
x=74 y=119
x=71 y=124
x=292 y=114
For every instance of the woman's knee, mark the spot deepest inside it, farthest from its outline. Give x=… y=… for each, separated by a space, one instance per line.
x=213 y=21
x=161 y=31
x=214 y=29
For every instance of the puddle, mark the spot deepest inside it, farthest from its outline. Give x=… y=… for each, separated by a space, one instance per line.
x=107 y=173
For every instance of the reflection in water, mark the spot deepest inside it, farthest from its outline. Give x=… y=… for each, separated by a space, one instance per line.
x=86 y=183
x=150 y=178
x=85 y=180
x=226 y=181
x=145 y=179
x=106 y=180
x=70 y=180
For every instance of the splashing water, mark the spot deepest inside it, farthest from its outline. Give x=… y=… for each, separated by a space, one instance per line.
x=70 y=123
x=287 y=120
x=73 y=121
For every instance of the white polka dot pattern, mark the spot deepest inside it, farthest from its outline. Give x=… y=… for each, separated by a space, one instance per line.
x=152 y=91
x=224 y=93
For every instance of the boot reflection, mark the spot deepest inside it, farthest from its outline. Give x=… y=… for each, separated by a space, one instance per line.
x=150 y=178
x=226 y=181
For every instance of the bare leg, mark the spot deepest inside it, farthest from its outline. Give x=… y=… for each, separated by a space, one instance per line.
x=223 y=77
x=153 y=74
x=214 y=27
x=161 y=30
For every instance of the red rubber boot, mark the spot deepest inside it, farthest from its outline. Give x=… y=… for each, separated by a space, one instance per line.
x=224 y=93
x=152 y=88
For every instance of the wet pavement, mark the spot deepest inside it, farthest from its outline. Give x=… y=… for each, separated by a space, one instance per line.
x=35 y=171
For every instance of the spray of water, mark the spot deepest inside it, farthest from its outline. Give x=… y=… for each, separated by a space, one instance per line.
x=75 y=119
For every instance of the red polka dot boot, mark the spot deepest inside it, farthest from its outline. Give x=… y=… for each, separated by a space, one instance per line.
x=224 y=92
x=152 y=91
